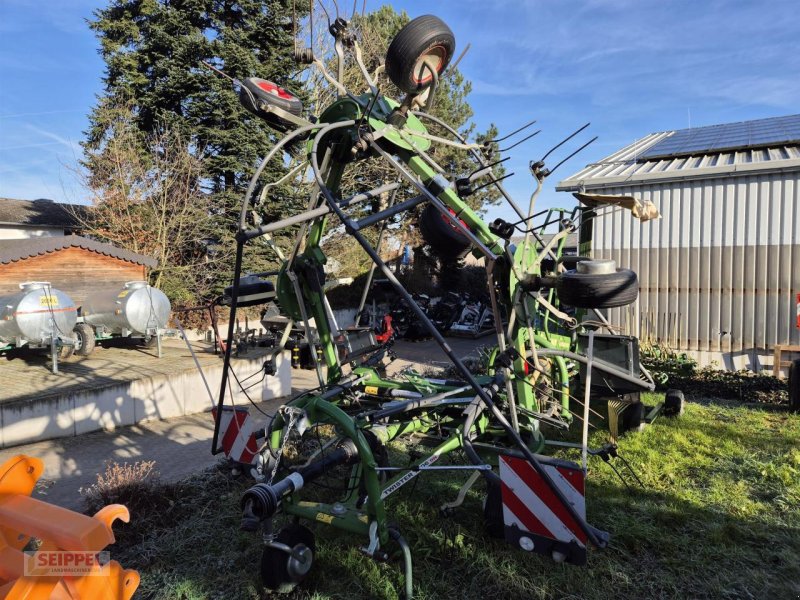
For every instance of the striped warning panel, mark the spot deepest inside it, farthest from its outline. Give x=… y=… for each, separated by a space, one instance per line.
x=236 y=432
x=529 y=505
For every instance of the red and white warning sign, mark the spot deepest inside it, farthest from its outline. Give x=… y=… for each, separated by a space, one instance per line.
x=237 y=435
x=798 y=310
x=534 y=516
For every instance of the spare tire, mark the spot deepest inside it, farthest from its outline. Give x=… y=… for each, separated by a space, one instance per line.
x=426 y=37
x=585 y=290
x=439 y=234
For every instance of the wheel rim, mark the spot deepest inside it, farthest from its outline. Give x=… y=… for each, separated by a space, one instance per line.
x=421 y=73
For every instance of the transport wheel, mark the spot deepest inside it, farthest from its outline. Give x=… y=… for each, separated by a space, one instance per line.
x=85 y=334
x=674 y=403
x=280 y=571
x=439 y=234
x=594 y=285
x=794 y=385
x=426 y=38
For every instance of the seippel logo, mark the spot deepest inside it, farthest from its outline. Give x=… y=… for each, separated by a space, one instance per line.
x=58 y=563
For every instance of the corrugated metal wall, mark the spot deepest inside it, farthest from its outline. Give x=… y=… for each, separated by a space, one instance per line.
x=719 y=273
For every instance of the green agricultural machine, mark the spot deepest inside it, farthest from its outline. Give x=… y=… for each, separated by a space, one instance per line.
x=551 y=360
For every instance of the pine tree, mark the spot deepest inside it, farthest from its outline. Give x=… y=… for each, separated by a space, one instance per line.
x=154 y=52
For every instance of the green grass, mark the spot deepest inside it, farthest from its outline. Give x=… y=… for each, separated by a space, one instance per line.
x=719 y=518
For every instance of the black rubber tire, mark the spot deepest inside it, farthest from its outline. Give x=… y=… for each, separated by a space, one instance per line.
x=412 y=42
x=571 y=262
x=272 y=93
x=439 y=234
x=674 y=402
x=632 y=417
x=583 y=290
x=794 y=386
x=274 y=572
x=85 y=334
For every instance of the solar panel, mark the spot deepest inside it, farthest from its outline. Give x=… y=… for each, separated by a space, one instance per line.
x=715 y=138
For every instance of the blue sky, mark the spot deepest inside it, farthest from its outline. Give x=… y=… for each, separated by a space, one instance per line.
x=631 y=67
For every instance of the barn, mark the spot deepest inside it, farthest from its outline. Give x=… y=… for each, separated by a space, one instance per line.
x=37 y=243
x=720 y=272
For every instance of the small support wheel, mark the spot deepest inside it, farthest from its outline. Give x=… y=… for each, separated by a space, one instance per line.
x=281 y=571
x=674 y=403
x=85 y=334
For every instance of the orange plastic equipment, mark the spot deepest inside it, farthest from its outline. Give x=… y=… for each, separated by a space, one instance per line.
x=59 y=530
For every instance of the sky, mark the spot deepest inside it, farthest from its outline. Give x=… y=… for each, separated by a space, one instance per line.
x=630 y=67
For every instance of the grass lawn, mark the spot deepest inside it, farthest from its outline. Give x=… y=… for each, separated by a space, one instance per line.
x=719 y=517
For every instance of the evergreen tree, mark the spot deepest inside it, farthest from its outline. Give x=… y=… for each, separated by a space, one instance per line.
x=154 y=52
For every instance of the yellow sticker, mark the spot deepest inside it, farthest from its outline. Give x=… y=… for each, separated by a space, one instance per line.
x=123 y=293
x=364 y=519
x=50 y=301
x=323 y=518
x=371 y=389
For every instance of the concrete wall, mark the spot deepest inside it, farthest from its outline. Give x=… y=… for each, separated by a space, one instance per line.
x=130 y=402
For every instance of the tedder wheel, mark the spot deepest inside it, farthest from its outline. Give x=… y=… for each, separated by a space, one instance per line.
x=794 y=385
x=439 y=234
x=633 y=414
x=85 y=334
x=674 y=403
x=280 y=571
x=426 y=38
x=590 y=287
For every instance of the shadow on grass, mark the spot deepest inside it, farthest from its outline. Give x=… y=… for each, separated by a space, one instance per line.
x=703 y=528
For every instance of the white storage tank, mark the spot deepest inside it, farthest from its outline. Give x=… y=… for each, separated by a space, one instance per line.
x=135 y=309
x=36 y=315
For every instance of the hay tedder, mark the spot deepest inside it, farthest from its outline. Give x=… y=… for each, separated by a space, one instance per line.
x=550 y=356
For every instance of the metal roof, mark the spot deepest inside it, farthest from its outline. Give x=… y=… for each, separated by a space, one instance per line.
x=630 y=165
x=760 y=133
x=15 y=250
x=39 y=213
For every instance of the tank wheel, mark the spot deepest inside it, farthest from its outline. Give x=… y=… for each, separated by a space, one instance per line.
x=65 y=352
x=281 y=571
x=85 y=334
x=150 y=342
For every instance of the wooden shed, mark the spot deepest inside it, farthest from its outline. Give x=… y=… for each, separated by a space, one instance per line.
x=73 y=264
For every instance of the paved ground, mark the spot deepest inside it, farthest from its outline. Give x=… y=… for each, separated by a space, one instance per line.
x=179 y=446
x=27 y=375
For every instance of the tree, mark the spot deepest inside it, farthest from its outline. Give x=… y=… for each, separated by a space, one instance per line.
x=146 y=197
x=154 y=52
